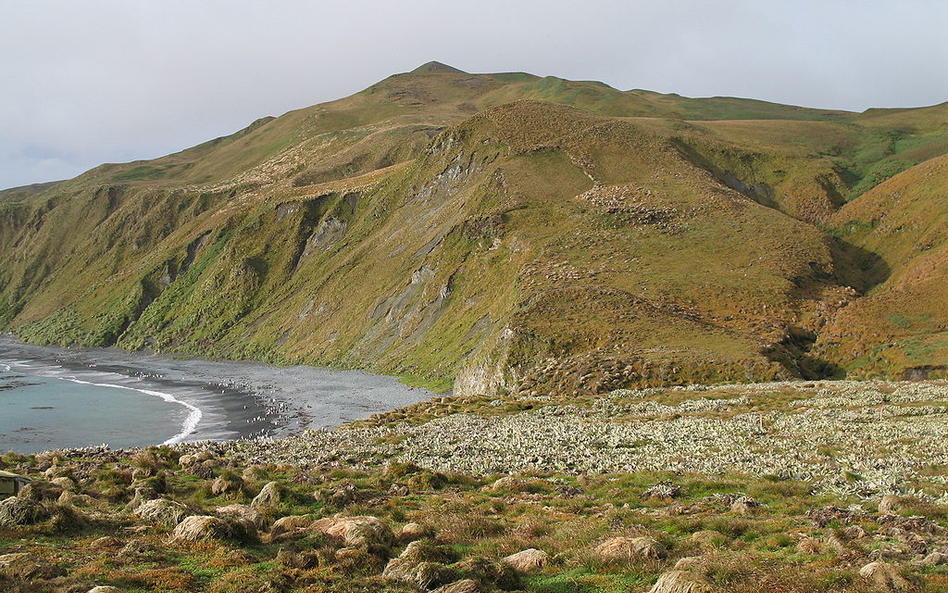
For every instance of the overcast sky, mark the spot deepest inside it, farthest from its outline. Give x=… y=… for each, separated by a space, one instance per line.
x=93 y=81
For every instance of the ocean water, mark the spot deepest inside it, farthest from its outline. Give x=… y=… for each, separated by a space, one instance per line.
x=47 y=406
x=52 y=398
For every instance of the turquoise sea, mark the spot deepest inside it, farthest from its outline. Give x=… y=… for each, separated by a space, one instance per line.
x=46 y=406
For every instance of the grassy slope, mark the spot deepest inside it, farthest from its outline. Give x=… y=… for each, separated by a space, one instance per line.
x=441 y=225
x=902 y=323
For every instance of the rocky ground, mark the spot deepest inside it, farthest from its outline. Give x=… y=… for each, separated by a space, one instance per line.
x=826 y=486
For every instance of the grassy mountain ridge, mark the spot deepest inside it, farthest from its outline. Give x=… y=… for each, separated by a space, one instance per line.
x=498 y=232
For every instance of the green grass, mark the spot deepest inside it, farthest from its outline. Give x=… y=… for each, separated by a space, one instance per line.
x=688 y=282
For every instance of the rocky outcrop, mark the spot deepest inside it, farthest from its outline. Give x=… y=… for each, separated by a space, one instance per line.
x=269 y=496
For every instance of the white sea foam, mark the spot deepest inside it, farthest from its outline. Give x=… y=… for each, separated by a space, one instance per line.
x=190 y=423
x=5 y=368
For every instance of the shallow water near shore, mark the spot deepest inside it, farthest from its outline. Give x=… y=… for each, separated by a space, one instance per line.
x=73 y=397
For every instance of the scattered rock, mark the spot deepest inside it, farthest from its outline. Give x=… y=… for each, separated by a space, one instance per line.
x=356 y=531
x=252 y=473
x=344 y=495
x=269 y=496
x=884 y=576
x=201 y=470
x=630 y=548
x=527 y=561
x=681 y=581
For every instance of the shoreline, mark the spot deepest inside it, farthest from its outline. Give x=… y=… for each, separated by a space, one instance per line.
x=238 y=400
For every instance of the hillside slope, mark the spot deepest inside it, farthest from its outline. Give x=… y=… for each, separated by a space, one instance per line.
x=901 y=326
x=494 y=233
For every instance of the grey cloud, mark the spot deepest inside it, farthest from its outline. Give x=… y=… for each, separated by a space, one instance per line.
x=111 y=80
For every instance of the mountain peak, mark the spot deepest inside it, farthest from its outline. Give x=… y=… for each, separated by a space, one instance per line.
x=437 y=67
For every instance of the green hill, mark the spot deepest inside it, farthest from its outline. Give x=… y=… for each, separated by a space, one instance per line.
x=506 y=232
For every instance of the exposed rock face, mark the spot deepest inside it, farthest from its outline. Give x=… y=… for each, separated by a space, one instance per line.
x=270 y=495
x=163 y=511
x=531 y=560
x=681 y=581
x=630 y=548
x=356 y=531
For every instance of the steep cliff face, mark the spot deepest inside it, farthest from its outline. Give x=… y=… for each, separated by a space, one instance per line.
x=455 y=229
